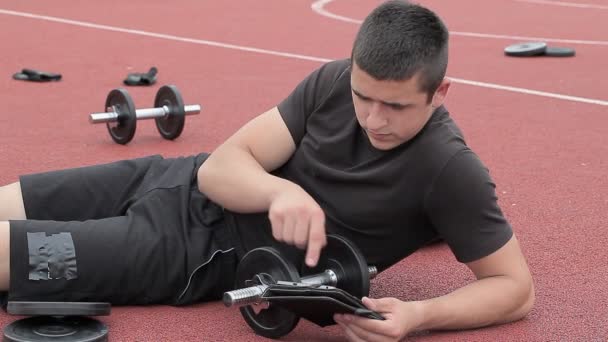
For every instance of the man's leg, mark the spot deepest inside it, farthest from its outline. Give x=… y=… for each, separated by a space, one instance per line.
x=11 y=207
x=68 y=261
x=78 y=194
x=137 y=259
x=5 y=252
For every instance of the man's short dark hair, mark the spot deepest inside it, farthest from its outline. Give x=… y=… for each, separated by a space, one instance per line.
x=398 y=39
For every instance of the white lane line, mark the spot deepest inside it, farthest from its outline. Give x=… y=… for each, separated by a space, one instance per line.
x=527 y=38
x=530 y=91
x=319 y=7
x=283 y=54
x=565 y=4
x=161 y=35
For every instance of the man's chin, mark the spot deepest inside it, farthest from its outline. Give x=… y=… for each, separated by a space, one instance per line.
x=383 y=145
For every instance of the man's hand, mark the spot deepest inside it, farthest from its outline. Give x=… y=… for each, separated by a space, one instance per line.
x=401 y=318
x=503 y=292
x=297 y=219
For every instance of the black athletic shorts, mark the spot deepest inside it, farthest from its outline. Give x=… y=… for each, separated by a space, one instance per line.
x=128 y=233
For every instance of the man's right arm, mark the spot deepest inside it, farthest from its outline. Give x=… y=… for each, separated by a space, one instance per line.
x=236 y=175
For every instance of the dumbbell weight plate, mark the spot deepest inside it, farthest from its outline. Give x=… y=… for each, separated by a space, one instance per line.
x=170 y=126
x=31 y=308
x=123 y=129
x=60 y=329
x=342 y=256
x=274 y=321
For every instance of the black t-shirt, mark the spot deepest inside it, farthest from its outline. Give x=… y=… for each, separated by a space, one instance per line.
x=389 y=203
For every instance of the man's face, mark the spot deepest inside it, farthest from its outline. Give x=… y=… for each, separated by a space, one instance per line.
x=391 y=112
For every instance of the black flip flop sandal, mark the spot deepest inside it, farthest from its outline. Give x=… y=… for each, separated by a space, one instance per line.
x=36 y=76
x=145 y=79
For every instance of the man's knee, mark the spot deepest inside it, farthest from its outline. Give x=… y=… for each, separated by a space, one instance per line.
x=11 y=202
x=5 y=253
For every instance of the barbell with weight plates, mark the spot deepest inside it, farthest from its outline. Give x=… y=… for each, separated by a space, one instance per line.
x=341 y=265
x=121 y=115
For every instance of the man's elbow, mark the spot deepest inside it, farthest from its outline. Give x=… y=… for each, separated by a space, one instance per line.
x=527 y=302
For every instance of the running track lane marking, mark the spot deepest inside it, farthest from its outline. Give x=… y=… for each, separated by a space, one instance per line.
x=285 y=54
x=564 y=4
x=319 y=7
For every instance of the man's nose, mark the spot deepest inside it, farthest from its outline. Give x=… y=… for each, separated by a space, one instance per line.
x=376 y=118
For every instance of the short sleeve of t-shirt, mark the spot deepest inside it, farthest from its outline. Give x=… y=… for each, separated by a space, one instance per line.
x=308 y=95
x=463 y=207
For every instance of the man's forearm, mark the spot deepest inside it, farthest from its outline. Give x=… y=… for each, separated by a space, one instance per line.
x=235 y=180
x=487 y=301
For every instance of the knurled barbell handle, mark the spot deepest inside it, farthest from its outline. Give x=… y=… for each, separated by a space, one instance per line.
x=251 y=295
x=373 y=271
x=142 y=114
x=244 y=296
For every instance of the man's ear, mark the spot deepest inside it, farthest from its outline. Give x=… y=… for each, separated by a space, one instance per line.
x=441 y=93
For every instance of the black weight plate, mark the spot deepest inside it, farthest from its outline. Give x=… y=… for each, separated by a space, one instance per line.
x=554 y=51
x=60 y=329
x=123 y=129
x=526 y=49
x=170 y=126
x=347 y=261
x=58 y=308
x=274 y=321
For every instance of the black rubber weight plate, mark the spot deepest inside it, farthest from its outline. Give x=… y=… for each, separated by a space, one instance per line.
x=48 y=328
x=172 y=125
x=123 y=130
x=274 y=321
x=554 y=51
x=526 y=49
x=58 y=308
x=348 y=262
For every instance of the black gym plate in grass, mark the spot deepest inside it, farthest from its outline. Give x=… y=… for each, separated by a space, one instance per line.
x=526 y=49
x=554 y=51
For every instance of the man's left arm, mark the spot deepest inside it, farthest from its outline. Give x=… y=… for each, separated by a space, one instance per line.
x=463 y=208
x=503 y=292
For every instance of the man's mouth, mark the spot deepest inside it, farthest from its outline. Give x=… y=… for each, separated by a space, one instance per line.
x=378 y=136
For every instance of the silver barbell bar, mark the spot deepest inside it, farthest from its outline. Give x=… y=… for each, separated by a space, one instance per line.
x=252 y=295
x=141 y=114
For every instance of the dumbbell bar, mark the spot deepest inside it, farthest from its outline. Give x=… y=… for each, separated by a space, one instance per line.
x=121 y=116
x=251 y=295
x=142 y=114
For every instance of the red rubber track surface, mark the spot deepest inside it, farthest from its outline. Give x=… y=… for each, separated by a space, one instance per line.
x=548 y=155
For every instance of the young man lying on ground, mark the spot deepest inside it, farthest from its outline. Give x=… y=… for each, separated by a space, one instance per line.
x=363 y=147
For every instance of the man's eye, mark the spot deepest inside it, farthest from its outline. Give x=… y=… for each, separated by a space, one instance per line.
x=397 y=107
x=363 y=98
